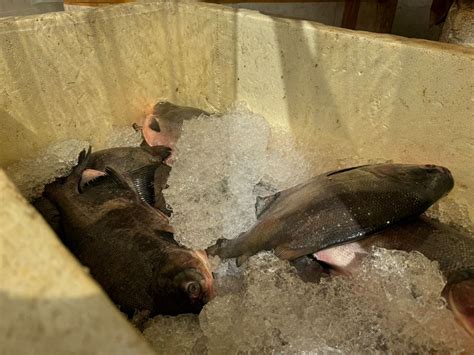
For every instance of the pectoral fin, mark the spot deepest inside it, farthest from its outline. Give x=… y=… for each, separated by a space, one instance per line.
x=242 y=259
x=264 y=202
x=284 y=252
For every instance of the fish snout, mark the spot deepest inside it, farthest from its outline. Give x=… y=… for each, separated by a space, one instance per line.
x=441 y=179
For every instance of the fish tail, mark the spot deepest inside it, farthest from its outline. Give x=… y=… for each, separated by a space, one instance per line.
x=228 y=248
x=220 y=248
x=461 y=302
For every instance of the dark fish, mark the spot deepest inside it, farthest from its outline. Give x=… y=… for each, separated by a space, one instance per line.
x=163 y=127
x=128 y=246
x=338 y=207
x=452 y=248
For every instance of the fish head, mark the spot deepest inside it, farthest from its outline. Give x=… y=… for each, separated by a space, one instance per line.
x=185 y=283
x=431 y=181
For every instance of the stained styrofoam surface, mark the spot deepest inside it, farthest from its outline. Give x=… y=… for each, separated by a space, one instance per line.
x=348 y=96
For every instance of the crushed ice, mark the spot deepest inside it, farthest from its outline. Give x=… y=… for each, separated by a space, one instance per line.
x=30 y=175
x=392 y=305
x=219 y=161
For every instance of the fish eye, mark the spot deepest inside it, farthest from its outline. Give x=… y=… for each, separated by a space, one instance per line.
x=193 y=288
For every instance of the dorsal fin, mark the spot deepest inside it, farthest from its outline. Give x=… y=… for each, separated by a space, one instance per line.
x=335 y=172
x=264 y=202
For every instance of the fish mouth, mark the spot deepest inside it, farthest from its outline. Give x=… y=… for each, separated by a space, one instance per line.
x=461 y=302
x=208 y=278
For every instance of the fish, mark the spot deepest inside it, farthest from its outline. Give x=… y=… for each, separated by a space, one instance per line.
x=128 y=245
x=163 y=127
x=337 y=207
x=452 y=247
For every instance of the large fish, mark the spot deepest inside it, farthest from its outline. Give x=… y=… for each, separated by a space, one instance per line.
x=336 y=208
x=128 y=246
x=452 y=248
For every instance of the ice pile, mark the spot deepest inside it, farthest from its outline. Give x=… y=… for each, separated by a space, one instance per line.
x=219 y=161
x=175 y=335
x=393 y=305
x=30 y=175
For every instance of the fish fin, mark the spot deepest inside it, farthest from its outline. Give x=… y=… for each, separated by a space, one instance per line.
x=72 y=181
x=218 y=248
x=168 y=110
x=89 y=176
x=118 y=179
x=461 y=302
x=162 y=106
x=137 y=127
x=142 y=179
x=284 y=252
x=82 y=162
x=264 y=202
x=242 y=259
x=308 y=268
x=335 y=172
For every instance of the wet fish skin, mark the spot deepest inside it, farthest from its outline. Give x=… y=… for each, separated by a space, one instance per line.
x=163 y=127
x=128 y=247
x=451 y=247
x=339 y=207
